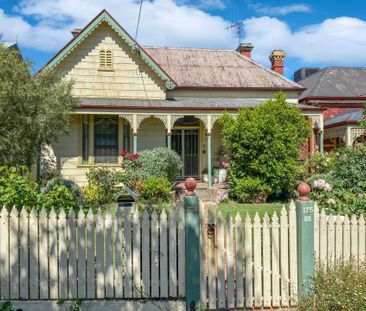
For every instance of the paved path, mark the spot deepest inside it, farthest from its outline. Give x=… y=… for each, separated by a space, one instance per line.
x=202 y=190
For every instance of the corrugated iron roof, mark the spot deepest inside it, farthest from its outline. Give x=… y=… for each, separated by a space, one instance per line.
x=209 y=68
x=186 y=103
x=350 y=116
x=335 y=82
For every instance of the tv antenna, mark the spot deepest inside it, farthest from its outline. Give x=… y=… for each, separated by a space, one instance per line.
x=239 y=30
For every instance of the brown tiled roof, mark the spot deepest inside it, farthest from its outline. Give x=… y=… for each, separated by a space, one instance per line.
x=208 y=68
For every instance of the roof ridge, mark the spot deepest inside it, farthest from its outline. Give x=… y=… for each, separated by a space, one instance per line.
x=186 y=48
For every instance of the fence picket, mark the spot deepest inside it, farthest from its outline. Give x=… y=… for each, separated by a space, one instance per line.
x=52 y=255
x=33 y=255
x=172 y=253
x=14 y=253
x=346 y=238
x=361 y=239
x=257 y=253
x=163 y=255
x=118 y=273
x=293 y=253
x=43 y=255
x=266 y=262
x=62 y=255
x=284 y=258
x=90 y=271
x=72 y=268
x=81 y=262
x=136 y=254
x=220 y=263
x=230 y=262
x=4 y=253
x=331 y=238
x=127 y=275
x=239 y=269
x=108 y=247
x=99 y=231
x=23 y=254
x=339 y=238
x=145 y=227
x=181 y=251
x=316 y=230
x=275 y=261
x=211 y=261
x=354 y=237
x=323 y=238
x=154 y=255
x=248 y=262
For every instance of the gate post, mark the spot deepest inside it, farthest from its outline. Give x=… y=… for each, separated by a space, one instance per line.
x=192 y=247
x=305 y=238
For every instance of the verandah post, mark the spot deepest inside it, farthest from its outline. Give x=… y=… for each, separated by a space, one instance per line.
x=192 y=247
x=305 y=238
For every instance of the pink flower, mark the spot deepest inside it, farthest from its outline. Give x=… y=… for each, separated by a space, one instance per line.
x=123 y=153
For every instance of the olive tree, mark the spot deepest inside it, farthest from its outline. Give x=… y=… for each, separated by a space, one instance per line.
x=34 y=108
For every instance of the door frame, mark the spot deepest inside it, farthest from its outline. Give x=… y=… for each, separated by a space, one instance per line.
x=198 y=128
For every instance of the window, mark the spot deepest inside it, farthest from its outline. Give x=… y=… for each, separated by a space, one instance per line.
x=105 y=60
x=105 y=139
x=85 y=139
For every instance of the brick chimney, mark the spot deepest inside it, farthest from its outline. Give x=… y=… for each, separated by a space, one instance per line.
x=245 y=49
x=276 y=58
x=75 y=32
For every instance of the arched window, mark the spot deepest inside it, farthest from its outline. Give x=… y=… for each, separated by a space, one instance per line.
x=105 y=59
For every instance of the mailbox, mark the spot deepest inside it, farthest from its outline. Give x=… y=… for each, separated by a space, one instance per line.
x=126 y=198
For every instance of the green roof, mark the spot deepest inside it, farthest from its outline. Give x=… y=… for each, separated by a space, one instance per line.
x=105 y=17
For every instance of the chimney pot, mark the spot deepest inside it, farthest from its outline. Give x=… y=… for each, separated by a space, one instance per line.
x=75 y=32
x=277 y=57
x=245 y=49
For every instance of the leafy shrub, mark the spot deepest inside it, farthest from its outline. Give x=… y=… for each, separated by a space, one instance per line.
x=264 y=143
x=340 y=287
x=320 y=163
x=156 y=190
x=251 y=190
x=69 y=184
x=101 y=187
x=347 y=180
x=58 y=197
x=16 y=189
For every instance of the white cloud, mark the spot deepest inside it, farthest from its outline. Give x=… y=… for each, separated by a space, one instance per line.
x=282 y=10
x=338 y=41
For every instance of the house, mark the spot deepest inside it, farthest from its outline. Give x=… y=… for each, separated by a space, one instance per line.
x=342 y=92
x=135 y=98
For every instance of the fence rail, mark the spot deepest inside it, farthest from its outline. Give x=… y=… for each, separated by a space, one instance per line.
x=91 y=256
x=250 y=262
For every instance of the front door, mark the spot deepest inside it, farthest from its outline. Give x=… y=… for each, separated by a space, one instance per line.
x=186 y=143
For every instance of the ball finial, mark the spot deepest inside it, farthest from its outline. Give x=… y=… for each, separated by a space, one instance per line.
x=190 y=184
x=304 y=190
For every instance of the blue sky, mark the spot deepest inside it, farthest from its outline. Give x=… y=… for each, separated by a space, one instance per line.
x=313 y=33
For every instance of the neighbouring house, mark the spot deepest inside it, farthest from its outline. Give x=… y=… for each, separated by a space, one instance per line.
x=134 y=97
x=342 y=91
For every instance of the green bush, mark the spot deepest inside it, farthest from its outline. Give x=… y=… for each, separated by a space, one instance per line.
x=160 y=162
x=340 y=287
x=101 y=186
x=250 y=190
x=16 y=189
x=347 y=181
x=264 y=143
x=156 y=190
x=69 y=184
x=58 y=197
x=320 y=163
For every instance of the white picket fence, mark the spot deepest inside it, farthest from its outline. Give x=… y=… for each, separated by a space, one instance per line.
x=250 y=262
x=339 y=237
x=122 y=256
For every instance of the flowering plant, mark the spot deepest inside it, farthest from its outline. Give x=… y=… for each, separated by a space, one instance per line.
x=225 y=164
x=222 y=197
x=130 y=160
x=321 y=184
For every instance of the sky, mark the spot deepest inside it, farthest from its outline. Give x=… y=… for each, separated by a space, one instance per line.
x=313 y=33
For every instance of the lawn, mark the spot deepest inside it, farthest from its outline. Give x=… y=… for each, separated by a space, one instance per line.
x=233 y=208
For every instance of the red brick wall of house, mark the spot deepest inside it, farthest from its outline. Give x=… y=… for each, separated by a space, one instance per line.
x=331 y=112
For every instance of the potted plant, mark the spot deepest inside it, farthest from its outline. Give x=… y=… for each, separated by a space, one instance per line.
x=205 y=174
x=223 y=172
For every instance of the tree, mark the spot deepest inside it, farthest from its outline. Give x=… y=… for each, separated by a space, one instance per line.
x=265 y=142
x=34 y=109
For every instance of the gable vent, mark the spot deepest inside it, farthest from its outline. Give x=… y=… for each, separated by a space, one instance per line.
x=105 y=60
